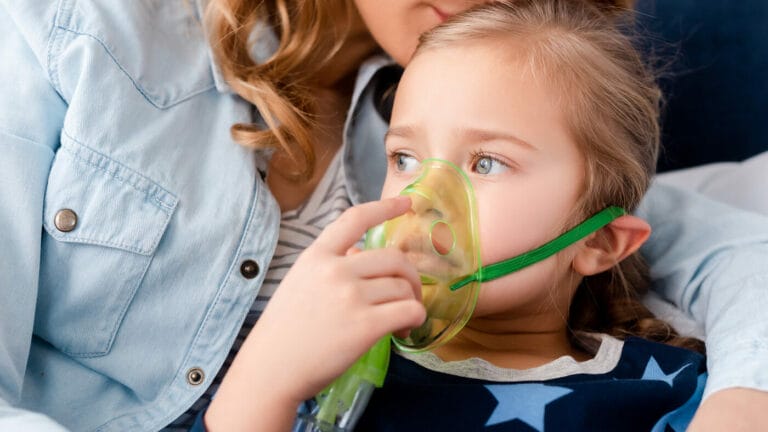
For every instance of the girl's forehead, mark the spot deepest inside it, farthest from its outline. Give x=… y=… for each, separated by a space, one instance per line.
x=482 y=74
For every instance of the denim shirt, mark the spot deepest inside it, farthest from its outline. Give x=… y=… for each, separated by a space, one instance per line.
x=133 y=228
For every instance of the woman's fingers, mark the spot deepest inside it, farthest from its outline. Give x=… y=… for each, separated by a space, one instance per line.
x=345 y=231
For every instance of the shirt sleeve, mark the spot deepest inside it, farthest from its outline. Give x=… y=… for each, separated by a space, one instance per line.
x=31 y=114
x=711 y=260
x=12 y=419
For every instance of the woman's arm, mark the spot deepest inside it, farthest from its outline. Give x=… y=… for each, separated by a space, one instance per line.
x=732 y=409
x=712 y=261
x=31 y=113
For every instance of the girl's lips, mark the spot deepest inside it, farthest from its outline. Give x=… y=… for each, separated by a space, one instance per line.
x=431 y=264
x=419 y=252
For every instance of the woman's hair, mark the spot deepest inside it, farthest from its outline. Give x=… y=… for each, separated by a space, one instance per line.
x=283 y=88
x=611 y=105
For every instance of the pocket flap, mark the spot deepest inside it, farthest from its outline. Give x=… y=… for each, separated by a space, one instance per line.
x=113 y=205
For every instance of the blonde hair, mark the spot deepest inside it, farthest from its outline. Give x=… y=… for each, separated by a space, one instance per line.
x=283 y=87
x=611 y=104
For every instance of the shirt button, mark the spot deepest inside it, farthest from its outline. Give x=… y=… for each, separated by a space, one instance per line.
x=65 y=220
x=249 y=269
x=195 y=376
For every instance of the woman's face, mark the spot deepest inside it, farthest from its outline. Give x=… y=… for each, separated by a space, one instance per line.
x=397 y=24
x=505 y=128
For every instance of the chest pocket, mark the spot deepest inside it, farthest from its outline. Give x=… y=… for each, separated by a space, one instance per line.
x=103 y=223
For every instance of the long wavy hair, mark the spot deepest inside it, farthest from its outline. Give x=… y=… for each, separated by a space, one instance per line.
x=283 y=87
x=611 y=103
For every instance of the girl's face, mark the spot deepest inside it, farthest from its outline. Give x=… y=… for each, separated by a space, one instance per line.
x=397 y=24
x=476 y=107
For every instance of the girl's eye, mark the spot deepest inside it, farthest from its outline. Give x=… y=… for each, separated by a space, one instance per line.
x=488 y=165
x=404 y=162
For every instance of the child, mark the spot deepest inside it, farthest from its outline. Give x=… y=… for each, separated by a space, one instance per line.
x=553 y=116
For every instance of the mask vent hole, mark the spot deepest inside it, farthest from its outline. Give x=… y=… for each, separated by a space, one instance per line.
x=442 y=237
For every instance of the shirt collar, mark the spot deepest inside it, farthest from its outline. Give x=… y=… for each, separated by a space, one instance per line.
x=364 y=158
x=364 y=75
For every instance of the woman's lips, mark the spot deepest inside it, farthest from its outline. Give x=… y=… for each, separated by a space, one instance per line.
x=441 y=14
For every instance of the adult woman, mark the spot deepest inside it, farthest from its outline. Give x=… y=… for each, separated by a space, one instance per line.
x=157 y=224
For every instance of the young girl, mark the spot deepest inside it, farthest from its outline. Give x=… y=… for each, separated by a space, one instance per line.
x=509 y=93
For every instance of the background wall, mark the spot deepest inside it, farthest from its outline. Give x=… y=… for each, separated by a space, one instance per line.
x=717 y=85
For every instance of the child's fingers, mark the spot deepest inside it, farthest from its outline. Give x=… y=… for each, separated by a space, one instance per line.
x=385 y=290
x=397 y=317
x=386 y=262
x=345 y=231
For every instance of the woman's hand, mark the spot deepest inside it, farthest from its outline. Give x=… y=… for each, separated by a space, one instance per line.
x=733 y=409
x=331 y=308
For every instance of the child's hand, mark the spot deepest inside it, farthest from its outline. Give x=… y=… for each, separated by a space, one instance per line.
x=331 y=308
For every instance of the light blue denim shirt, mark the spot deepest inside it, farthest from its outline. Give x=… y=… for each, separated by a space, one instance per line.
x=127 y=213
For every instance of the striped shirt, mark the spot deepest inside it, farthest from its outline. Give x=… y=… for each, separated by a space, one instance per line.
x=298 y=229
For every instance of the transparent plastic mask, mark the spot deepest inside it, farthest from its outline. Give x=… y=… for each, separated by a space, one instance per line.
x=439 y=235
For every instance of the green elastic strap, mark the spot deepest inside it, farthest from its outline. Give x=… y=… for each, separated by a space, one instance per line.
x=503 y=268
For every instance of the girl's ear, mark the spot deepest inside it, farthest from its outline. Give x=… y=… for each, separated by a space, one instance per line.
x=611 y=244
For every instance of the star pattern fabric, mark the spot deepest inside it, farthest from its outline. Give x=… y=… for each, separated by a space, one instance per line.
x=526 y=402
x=679 y=419
x=652 y=387
x=653 y=372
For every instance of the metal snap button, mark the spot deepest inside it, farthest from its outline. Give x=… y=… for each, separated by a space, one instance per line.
x=249 y=269
x=195 y=376
x=65 y=220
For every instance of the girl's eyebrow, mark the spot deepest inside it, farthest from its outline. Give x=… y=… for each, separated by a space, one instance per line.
x=478 y=135
x=474 y=135
x=400 y=132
